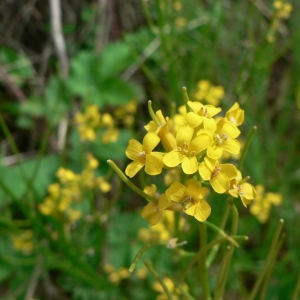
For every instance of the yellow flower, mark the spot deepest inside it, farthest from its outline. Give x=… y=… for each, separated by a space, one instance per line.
x=153 y=212
x=24 y=242
x=202 y=114
x=187 y=150
x=163 y=131
x=262 y=204
x=235 y=115
x=88 y=122
x=224 y=139
x=219 y=175
x=209 y=93
x=244 y=190
x=142 y=155
x=191 y=196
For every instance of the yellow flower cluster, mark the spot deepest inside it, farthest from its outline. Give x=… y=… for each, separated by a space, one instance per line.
x=207 y=92
x=282 y=10
x=23 y=242
x=195 y=140
x=89 y=122
x=175 y=291
x=262 y=204
x=125 y=113
x=115 y=276
x=70 y=189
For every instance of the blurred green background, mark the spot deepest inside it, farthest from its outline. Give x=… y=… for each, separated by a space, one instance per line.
x=58 y=58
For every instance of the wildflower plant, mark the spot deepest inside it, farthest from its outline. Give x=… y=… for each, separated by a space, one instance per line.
x=189 y=147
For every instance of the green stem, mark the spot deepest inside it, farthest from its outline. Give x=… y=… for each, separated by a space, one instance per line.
x=223 y=273
x=207 y=247
x=151 y=269
x=241 y=161
x=221 y=232
x=186 y=99
x=268 y=260
x=129 y=183
x=264 y=288
x=214 y=250
x=201 y=261
x=296 y=290
x=152 y=114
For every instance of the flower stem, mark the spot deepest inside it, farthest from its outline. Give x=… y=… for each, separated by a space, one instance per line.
x=152 y=114
x=186 y=98
x=223 y=273
x=268 y=260
x=207 y=247
x=151 y=269
x=241 y=161
x=296 y=290
x=129 y=183
x=201 y=261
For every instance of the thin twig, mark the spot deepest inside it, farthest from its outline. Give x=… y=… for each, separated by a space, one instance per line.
x=60 y=45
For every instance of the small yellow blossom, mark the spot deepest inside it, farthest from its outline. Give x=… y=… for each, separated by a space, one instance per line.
x=202 y=114
x=243 y=190
x=191 y=196
x=262 y=204
x=142 y=155
x=224 y=140
x=219 y=175
x=153 y=211
x=88 y=122
x=235 y=115
x=187 y=150
x=23 y=242
x=209 y=93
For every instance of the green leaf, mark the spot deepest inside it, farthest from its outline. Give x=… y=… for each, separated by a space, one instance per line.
x=12 y=178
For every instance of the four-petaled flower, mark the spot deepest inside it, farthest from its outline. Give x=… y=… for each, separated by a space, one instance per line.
x=219 y=175
x=191 y=197
x=244 y=190
x=142 y=155
x=153 y=211
x=224 y=139
x=187 y=150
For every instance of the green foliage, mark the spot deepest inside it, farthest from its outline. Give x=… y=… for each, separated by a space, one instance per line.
x=223 y=42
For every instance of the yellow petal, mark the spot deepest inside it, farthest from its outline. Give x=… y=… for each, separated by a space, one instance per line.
x=201 y=142
x=232 y=146
x=173 y=158
x=153 y=165
x=214 y=151
x=205 y=171
x=176 y=191
x=200 y=211
x=164 y=202
x=184 y=135
x=133 y=168
x=150 y=142
x=151 y=213
x=193 y=119
x=189 y=165
x=151 y=190
x=230 y=170
x=220 y=183
x=133 y=149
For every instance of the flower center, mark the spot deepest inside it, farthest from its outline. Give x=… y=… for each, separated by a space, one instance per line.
x=187 y=202
x=232 y=120
x=219 y=139
x=141 y=154
x=185 y=150
x=240 y=190
x=204 y=112
x=216 y=172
